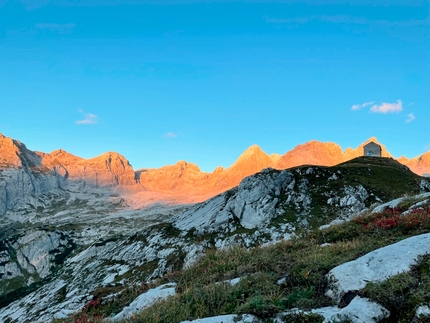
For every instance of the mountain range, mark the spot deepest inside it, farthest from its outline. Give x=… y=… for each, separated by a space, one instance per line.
x=182 y=182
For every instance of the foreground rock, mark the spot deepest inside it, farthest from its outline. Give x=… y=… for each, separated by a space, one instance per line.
x=145 y=300
x=360 y=310
x=377 y=265
x=246 y=318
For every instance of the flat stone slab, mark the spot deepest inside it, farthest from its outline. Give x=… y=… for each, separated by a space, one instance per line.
x=377 y=265
x=145 y=300
x=246 y=318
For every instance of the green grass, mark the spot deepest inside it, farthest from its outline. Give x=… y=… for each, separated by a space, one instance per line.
x=303 y=264
x=383 y=178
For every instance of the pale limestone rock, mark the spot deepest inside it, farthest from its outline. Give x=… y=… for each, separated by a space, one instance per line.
x=377 y=265
x=251 y=203
x=194 y=254
x=145 y=300
x=360 y=310
x=233 y=318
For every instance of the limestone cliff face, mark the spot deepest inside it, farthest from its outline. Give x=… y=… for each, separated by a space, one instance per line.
x=22 y=176
x=419 y=165
x=187 y=177
x=107 y=170
x=185 y=182
x=312 y=153
x=179 y=177
x=25 y=175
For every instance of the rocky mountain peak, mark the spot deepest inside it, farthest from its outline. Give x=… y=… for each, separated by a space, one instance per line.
x=350 y=153
x=312 y=153
x=252 y=157
x=13 y=153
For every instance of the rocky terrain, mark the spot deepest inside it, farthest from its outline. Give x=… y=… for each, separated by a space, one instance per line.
x=73 y=230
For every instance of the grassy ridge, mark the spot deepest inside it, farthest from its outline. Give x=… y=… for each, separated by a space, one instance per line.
x=384 y=179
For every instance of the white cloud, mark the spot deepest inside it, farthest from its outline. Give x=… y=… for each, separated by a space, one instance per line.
x=386 y=107
x=171 y=135
x=411 y=117
x=89 y=118
x=357 y=107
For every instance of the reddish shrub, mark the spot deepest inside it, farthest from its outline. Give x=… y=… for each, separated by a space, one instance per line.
x=92 y=303
x=82 y=319
x=386 y=223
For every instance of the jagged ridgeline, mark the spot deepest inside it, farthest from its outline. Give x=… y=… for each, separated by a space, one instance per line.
x=306 y=196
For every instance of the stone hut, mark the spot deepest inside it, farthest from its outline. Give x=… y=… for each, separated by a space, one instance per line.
x=372 y=149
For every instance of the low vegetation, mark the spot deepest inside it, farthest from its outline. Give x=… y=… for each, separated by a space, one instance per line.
x=286 y=275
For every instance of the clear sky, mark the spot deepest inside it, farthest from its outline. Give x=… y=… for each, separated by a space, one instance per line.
x=162 y=81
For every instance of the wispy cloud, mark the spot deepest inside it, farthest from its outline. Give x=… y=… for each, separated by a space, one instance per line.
x=411 y=117
x=357 y=107
x=386 y=107
x=56 y=28
x=89 y=118
x=171 y=135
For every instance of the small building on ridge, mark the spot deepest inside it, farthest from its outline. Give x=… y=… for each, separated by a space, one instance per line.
x=372 y=149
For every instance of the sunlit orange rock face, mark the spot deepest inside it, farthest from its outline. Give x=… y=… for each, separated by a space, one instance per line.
x=186 y=177
x=419 y=165
x=312 y=153
x=188 y=181
x=109 y=169
x=179 y=177
x=250 y=162
x=9 y=152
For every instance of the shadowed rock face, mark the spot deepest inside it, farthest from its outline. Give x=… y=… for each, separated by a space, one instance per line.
x=107 y=170
x=22 y=176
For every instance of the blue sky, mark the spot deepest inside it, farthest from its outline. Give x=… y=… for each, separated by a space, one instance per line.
x=162 y=81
